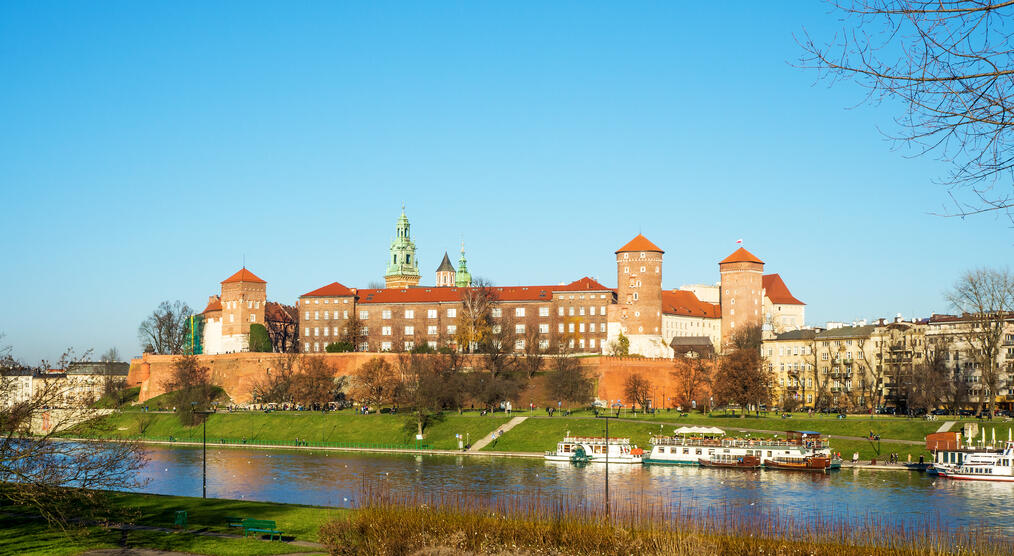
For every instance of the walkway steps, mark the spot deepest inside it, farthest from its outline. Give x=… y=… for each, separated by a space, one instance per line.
x=489 y=437
x=946 y=426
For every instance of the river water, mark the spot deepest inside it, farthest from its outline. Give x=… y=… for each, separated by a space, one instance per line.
x=336 y=478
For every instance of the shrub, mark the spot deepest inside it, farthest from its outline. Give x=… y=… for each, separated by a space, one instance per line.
x=339 y=347
x=259 y=339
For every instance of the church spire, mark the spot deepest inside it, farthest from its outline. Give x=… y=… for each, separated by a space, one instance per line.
x=402 y=266
x=462 y=278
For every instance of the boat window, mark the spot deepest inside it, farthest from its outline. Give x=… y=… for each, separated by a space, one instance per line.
x=769 y=453
x=698 y=451
x=686 y=450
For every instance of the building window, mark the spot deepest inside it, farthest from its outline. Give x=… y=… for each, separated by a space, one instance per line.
x=543 y=328
x=410 y=331
x=364 y=346
x=409 y=346
x=519 y=312
x=452 y=329
x=635 y=296
x=543 y=311
x=410 y=313
x=591 y=327
x=363 y=315
x=431 y=313
x=431 y=330
x=561 y=328
x=496 y=312
x=519 y=329
x=385 y=314
x=452 y=313
x=591 y=311
x=316 y=331
x=432 y=344
x=316 y=346
x=570 y=328
x=571 y=311
x=307 y=315
x=385 y=331
x=325 y=331
x=253 y=318
x=543 y=344
x=385 y=346
x=559 y=311
x=591 y=343
x=496 y=329
x=307 y=331
x=519 y=345
x=580 y=343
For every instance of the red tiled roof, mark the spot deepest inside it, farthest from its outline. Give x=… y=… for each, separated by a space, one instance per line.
x=274 y=311
x=776 y=290
x=243 y=275
x=679 y=302
x=640 y=243
x=213 y=305
x=741 y=255
x=582 y=285
x=334 y=289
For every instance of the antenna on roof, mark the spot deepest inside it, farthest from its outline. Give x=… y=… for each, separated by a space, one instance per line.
x=244 y=260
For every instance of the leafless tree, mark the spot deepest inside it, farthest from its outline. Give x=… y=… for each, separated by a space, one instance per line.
x=276 y=386
x=376 y=382
x=568 y=381
x=985 y=296
x=113 y=384
x=742 y=377
x=637 y=389
x=315 y=385
x=693 y=376
x=165 y=331
x=282 y=324
x=190 y=384
x=949 y=62
x=352 y=332
x=534 y=351
x=59 y=480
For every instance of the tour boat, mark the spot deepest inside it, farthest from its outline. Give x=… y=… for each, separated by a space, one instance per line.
x=690 y=445
x=982 y=466
x=595 y=450
x=732 y=462
x=795 y=463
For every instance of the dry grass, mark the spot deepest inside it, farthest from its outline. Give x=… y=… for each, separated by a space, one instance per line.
x=443 y=524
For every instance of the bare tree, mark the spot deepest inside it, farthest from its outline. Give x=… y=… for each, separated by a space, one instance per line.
x=742 y=377
x=315 y=386
x=190 y=384
x=693 y=375
x=949 y=62
x=376 y=382
x=637 y=389
x=986 y=298
x=59 y=480
x=534 y=351
x=568 y=380
x=352 y=332
x=165 y=331
x=276 y=386
x=282 y=323
x=476 y=320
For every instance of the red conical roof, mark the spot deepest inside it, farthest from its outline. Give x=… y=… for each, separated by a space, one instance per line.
x=243 y=275
x=741 y=256
x=640 y=243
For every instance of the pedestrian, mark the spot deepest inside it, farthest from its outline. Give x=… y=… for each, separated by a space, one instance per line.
x=855 y=458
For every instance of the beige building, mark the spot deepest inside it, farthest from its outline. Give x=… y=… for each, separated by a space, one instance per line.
x=963 y=353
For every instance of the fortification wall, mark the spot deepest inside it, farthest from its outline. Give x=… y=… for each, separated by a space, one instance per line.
x=237 y=373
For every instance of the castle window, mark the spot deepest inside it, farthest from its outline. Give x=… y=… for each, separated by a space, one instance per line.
x=519 y=329
x=394 y=259
x=543 y=344
x=543 y=328
x=591 y=311
x=432 y=344
x=307 y=331
x=519 y=312
x=519 y=345
x=571 y=311
x=385 y=346
x=410 y=313
x=591 y=327
x=626 y=255
x=409 y=346
x=561 y=328
x=580 y=327
x=580 y=311
x=637 y=314
x=306 y=347
x=581 y=343
x=385 y=331
x=408 y=259
x=345 y=314
x=363 y=315
x=570 y=328
x=316 y=331
x=635 y=296
x=253 y=317
x=626 y=270
x=431 y=330
x=316 y=346
x=559 y=311
x=543 y=311
x=431 y=313
x=642 y=254
x=452 y=329
x=410 y=331
x=307 y=315
x=452 y=313
x=497 y=312
x=316 y=315
x=249 y=304
x=642 y=269
x=325 y=331
x=385 y=314
x=326 y=317
x=232 y=317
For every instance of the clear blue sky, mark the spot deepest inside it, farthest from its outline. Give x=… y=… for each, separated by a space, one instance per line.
x=145 y=148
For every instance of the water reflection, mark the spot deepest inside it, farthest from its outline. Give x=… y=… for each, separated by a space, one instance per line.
x=333 y=479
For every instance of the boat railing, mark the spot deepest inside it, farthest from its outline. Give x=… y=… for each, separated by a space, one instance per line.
x=593 y=440
x=735 y=443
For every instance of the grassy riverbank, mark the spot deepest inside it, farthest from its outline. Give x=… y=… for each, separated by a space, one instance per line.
x=256 y=427
x=24 y=534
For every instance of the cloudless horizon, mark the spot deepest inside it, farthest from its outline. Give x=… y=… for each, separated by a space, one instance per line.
x=147 y=150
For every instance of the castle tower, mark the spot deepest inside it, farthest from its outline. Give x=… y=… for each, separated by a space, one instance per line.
x=445 y=273
x=402 y=268
x=638 y=309
x=741 y=292
x=463 y=278
x=242 y=304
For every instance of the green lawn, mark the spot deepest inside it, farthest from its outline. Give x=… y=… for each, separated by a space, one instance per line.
x=25 y=535
x=343 y=427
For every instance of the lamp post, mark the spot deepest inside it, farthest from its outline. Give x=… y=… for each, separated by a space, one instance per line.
x=607 y=418
x=204 y=450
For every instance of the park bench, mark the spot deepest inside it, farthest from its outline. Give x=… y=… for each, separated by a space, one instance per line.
x=233 y=521
x=261 y=526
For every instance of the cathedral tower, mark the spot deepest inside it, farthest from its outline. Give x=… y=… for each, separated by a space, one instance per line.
x=741 y=292
x=445 y=273
x=463 y=278
x=402 y=268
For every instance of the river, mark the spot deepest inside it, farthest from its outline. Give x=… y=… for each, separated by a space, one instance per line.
x=335 y=478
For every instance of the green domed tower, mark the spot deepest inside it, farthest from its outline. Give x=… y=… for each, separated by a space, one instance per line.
x=462 y=278
x=402 y=266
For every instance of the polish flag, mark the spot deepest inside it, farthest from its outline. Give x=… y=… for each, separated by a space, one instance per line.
x=739 y=241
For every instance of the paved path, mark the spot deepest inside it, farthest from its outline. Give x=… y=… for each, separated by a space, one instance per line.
x=489 y=437
x=946 y=426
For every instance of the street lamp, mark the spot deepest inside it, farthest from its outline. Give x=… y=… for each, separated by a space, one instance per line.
x=607 y=417
x=204 y=444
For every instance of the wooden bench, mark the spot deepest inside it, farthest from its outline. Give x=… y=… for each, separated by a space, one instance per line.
x=233 y=521
x=261 y=526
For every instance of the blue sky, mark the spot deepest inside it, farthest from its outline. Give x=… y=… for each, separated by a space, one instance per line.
x=146 y=148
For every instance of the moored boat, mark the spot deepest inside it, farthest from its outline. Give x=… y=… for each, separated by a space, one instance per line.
x=982 y=466
x=595 y=450
x=820 y=464
x=689 y=445
x=731 y=462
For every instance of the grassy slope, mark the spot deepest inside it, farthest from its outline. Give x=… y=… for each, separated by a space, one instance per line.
x=309 y=426
x=541 y=434
x=33 y=536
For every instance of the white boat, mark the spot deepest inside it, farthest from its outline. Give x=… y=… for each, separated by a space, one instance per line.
x=689 y=445
x=982 y=466
x=594 y=450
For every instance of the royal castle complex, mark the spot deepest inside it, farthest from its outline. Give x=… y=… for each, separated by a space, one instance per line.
x=588 y=315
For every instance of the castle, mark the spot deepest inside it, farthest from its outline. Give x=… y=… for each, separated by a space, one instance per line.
x=589 y=316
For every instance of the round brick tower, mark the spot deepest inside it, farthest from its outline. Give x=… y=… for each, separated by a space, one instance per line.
x=638 y=310
x=741 y=292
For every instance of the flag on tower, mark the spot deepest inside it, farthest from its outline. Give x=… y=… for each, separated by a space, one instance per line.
x=740 y=241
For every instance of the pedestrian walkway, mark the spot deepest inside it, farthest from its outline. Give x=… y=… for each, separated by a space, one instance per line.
x=490 y=437
x=946 y=426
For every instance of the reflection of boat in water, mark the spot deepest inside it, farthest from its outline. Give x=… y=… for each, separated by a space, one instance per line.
x=982 y=466
x=690 y=445
x=595 y=450
x=806 y=463
x=731 y=462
